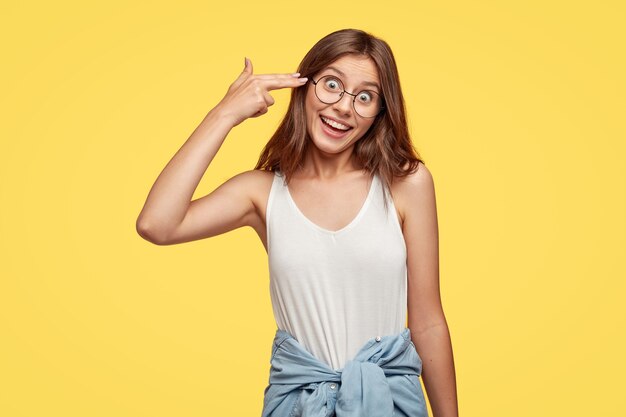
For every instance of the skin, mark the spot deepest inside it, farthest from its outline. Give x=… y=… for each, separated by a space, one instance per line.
x=330 y=157
x=329 y=190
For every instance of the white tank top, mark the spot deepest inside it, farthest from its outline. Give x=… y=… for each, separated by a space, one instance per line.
x=334 y=290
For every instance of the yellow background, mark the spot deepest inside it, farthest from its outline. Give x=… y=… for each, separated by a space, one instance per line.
x=517 y=109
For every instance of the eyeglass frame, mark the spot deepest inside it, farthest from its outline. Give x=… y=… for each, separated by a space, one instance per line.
x=382 y=107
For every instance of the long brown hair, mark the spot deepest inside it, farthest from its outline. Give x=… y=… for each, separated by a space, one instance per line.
x=385 y=149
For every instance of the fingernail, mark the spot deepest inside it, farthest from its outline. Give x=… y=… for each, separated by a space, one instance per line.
x=295 y=74
x=303 y=79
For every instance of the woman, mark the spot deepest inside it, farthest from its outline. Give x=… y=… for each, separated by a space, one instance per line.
x=346 y=210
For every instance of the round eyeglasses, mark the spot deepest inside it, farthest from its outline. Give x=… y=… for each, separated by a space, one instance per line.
x=329 y=90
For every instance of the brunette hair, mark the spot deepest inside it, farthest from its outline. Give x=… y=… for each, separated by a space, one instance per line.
x=385 y=149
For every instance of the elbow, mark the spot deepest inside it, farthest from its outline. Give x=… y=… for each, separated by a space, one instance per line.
x=148 y=232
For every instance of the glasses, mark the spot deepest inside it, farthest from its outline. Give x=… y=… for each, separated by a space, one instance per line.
x=329 y=90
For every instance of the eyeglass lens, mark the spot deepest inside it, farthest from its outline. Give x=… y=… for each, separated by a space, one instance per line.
x=329 y=89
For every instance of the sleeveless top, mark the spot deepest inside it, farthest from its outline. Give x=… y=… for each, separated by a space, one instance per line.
x=335 y=290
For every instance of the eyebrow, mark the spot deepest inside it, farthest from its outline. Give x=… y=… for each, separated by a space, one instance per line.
x=369 y=83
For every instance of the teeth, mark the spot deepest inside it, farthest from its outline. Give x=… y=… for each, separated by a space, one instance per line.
x=335 y=124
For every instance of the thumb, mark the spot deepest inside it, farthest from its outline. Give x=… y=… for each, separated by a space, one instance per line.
x=247 y=71
x=248 y=67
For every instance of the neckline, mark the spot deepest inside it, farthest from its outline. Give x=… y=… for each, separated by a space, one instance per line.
x=348 y=226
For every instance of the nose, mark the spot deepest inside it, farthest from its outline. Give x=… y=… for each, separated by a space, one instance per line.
x=344 y=105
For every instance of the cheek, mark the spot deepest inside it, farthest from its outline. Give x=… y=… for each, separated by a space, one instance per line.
x=311 y=103
x=311 y=108
x=364 y=128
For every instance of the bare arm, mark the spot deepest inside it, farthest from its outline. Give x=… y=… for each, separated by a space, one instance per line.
x=169 y=216
x=170 y=197
x=427 y=322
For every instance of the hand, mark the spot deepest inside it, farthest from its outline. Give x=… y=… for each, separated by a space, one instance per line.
x=248 y=95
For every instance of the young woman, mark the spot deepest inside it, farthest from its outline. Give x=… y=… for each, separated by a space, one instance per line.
x=346 y=211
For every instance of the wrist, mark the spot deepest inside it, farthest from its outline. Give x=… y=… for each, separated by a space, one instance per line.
x=222 y=116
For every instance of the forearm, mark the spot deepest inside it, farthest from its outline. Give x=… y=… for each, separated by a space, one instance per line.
x=438 y=372
x=169 y=198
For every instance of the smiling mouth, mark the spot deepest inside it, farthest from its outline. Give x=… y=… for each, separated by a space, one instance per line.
x=335 y=126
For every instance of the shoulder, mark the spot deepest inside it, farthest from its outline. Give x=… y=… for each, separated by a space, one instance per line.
x=256 y=184
x=421 y=177
x=248 y=182
x=253 y=185
x=413 y=191
x=257 y=176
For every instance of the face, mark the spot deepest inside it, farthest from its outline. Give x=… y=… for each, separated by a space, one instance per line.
x=357 y=73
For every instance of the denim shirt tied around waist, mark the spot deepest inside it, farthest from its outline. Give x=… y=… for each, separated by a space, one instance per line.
x=382 y=380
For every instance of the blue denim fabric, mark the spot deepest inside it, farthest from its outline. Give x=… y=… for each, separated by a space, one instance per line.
x=382 y=380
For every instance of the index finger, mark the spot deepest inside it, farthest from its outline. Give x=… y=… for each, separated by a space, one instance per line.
x=276 y=83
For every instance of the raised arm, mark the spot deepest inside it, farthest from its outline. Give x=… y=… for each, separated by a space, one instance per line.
x=169 y=216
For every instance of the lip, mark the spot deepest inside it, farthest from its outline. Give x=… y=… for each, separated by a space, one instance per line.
x=338 y=121
x=329 y=132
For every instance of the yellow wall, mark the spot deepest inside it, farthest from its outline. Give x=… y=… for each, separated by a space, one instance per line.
x=517 y=107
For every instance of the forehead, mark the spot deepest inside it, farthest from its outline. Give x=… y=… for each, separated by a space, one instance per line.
x=355 y=70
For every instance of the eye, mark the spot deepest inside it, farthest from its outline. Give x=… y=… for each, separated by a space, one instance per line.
x=365 y=97
x=332 y=84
